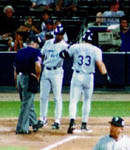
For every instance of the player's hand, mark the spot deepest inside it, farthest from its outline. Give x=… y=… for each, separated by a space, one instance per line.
x=107 y=80
x=64 y=54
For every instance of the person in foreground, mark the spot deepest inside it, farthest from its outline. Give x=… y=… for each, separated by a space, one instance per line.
x=115 y=140
x=86 y=56
x=27 y=73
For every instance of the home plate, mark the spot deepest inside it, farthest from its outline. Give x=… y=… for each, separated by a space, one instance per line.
x=77 y=131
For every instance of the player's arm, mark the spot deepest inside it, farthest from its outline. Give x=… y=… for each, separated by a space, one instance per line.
x=64 y=54
x=38 y=69
x=102 y=69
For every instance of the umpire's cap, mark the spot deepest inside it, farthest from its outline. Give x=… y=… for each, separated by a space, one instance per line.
x=117 y=121
x=88 y=36
x=33 y=38
x=59 y=30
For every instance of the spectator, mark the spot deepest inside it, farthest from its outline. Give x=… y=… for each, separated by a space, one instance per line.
x=17 y=43
x=43 y=4
x=112 y=16
x=48 y=29
x=28 y=26
x=115 y=140
x=8 y=23
x=45 y=17
x=68 y=4
x=99 y=20
x=125 y=34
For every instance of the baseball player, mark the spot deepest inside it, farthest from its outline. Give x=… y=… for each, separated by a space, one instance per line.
x=52 y=76
x=85 y=57
x=115 y=140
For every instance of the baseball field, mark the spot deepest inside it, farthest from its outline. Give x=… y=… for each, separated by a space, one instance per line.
x=104 y=106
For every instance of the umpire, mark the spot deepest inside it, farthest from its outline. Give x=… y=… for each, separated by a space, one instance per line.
x=26 y=74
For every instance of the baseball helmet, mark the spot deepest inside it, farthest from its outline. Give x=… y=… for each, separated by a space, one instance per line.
x=117 y=121
x=88 y=36
x=59 y=30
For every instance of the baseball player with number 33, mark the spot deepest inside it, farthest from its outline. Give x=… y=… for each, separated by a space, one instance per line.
x=85 y=57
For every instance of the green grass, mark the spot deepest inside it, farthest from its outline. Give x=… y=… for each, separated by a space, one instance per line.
x=13 y=148
x=98 y=108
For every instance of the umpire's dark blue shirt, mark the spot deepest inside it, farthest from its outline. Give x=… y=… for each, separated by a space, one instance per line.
x=26 y=58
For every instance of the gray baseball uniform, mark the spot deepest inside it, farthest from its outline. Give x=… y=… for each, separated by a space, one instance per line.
x=109 y=143
x=52 y=77
x=85 y=56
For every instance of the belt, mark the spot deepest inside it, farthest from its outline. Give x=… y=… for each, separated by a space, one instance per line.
x=77 y=71
x=51 y=68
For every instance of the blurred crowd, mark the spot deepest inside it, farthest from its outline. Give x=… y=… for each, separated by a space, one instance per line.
x=13 y=35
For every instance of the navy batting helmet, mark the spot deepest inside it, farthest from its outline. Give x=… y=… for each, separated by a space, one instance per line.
x=59 y=30
x=88 y=36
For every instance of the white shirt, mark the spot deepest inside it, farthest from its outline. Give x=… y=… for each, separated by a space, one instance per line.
x=109 y=143
x=51 y=51
x=43 y=2
x=85 y=56
x=114 y=17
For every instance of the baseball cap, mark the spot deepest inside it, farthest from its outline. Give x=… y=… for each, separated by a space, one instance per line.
x=88 y=36
x=117 y=121
x=34 y=38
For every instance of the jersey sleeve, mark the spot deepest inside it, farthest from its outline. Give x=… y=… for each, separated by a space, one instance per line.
x=71 y=50
x=38 y=57
x=98 y=55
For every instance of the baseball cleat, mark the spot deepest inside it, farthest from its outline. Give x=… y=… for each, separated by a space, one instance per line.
x=84 y=128
x=55 y=125
x=71 y=129
x=37 y=126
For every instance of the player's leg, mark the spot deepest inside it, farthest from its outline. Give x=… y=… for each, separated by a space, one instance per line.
x=87 y=96
x=57 y=91
x=45 y=88
x=75 y=93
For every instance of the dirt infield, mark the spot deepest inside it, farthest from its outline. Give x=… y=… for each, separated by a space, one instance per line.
x=48 y=139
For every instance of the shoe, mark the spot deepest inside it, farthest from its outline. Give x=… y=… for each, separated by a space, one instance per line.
x=71 y=129
x=84 y=128
x=37 y=126
x=55 y=125
x=71 y=126
x=23 y=132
